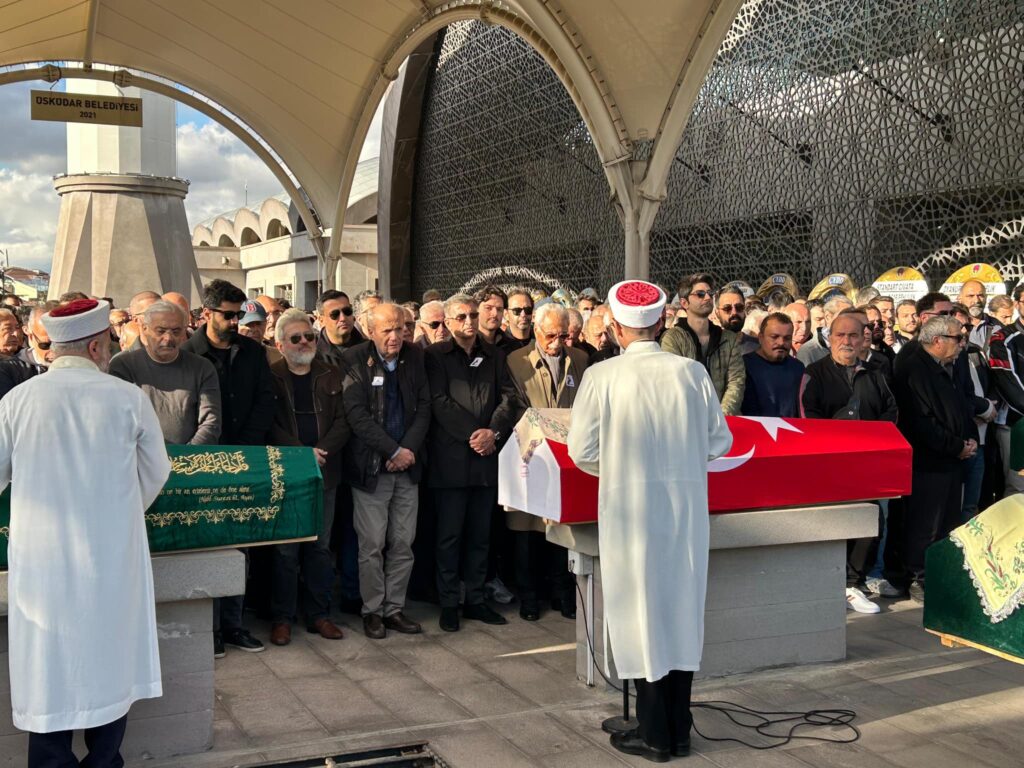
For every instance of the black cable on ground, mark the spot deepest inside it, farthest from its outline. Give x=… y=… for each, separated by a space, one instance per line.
x=760 y=722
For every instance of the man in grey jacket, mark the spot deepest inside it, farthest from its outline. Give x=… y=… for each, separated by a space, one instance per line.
x=183 y=387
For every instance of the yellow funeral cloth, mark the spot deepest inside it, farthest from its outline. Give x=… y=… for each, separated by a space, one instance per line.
x=538 y=425
x=993 y=547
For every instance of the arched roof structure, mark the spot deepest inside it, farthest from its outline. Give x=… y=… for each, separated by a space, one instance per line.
x=307 y=77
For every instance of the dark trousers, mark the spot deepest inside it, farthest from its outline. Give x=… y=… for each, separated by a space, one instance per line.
x=317 y=574
x=894 y=570
x=345 y=542
x=663 y=709
x=227 y=611
x=53 y=750
x=537 y=561
x=931 y=511
x=463 y=528
x=861 y=555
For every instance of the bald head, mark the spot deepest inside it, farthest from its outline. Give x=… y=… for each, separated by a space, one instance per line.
x=179 y=301
x=274 y=310
x=140 y=301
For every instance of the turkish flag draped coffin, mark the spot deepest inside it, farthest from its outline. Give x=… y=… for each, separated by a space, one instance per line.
x=773 y=463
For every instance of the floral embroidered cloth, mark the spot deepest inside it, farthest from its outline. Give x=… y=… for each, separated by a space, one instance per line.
x=993 y=548
x=538 y=425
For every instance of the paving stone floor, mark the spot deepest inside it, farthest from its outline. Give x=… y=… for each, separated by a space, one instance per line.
x=491 y=697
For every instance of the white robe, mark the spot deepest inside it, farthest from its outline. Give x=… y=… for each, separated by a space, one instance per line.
x=647 y=422
x=87 y=458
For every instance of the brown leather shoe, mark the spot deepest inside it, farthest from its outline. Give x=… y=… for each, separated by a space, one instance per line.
x=373 y=626
x=399 y=623
x=281 y=633
x=326 y=629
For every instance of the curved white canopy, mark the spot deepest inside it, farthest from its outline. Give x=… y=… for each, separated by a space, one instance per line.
x=306 y=75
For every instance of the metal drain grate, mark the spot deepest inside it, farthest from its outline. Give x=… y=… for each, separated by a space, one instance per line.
x=410 y=756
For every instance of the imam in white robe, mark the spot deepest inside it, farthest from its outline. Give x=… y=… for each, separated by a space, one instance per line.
x=85 y=457
x=647 y=422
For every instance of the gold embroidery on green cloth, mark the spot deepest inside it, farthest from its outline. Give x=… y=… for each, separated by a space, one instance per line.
x=993 y=548
x=215 y=463
x=235 y=514
x=5 y=532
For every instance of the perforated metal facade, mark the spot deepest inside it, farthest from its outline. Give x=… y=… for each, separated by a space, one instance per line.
x=830 y=135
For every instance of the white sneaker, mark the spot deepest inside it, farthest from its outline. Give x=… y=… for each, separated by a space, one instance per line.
x=496 y=590
x=883 y=588
x=856 y=601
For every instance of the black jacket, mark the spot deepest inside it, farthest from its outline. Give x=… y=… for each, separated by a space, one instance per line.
x=464 y=398
x=15 y=370
x=331 y=353
x=827 y=393
x=370 y=447
x=936 y=413
x=332 y=428
x=246 y=393
x=1006 y=366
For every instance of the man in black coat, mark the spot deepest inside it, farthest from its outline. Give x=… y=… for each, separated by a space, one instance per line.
x=844 y=386
x=937 y=419
x=473 y=404
x=247 y=413
x=387 y=402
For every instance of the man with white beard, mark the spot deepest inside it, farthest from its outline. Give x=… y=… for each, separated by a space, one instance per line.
x=647 y=422
x=82 y=615
x=309 y=412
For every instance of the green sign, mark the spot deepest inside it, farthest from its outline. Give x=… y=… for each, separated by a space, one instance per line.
x=226 y=495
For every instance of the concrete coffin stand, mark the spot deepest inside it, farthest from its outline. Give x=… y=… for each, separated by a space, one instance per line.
x=776 y=587
x=181 y=721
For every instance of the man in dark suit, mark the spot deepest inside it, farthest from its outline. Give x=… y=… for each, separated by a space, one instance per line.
x=473 y=404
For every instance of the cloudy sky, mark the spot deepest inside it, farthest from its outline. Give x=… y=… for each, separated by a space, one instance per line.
x=218 y=165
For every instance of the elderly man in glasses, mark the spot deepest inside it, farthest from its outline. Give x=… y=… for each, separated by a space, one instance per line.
x=338 y=330
x=546 y=375
x=310 y=413
x=432 y=326
x=247 y=412
x=716 y=348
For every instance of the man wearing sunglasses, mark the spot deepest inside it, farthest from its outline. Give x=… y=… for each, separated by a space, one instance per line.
x=717 y=349
x=473 y=404
x=432 y=325
x=519 y=319
x=247 y=413
x=546 y=375
x=31 y=360
x=338 y=330
x=309 y=412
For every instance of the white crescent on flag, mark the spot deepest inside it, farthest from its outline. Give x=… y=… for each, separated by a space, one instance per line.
x=772 y=425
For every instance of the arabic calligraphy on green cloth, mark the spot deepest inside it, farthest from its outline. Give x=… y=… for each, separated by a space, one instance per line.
x=220 y=496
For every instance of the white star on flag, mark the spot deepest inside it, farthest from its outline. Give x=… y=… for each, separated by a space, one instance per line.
x=772 y=425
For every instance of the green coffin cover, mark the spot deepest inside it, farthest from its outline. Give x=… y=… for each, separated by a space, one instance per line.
x=226 y=495
x=952 y=606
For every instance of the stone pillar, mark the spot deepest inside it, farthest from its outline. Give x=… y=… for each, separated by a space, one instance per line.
x=119 y=234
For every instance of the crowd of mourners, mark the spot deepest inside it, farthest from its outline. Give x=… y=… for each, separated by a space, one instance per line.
x=406 y=406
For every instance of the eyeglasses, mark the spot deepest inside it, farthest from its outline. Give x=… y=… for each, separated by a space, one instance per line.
x=701 y=294
x=957 y=339
x=943 y=313
x=309 y=336
x=553 y=336
x=43 y=345
x=119 y=323
x=730 y=308
x=336 y=313
x=228 y=314
x=461 y=318
x=517 y=311
x=434 y=324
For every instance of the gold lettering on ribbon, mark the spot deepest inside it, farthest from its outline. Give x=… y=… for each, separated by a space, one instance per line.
x=237 y=514
x=216 y=463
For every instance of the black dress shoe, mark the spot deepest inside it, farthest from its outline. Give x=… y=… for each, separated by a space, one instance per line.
x=529 y=612
x=373 y=627
x=353 y=606
x=449 y=619
x=681 y=748
x=399 y=623
x=631 y=744
x=484 y=613
x=218 y=646
x=243 y=641
x=569 y=610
